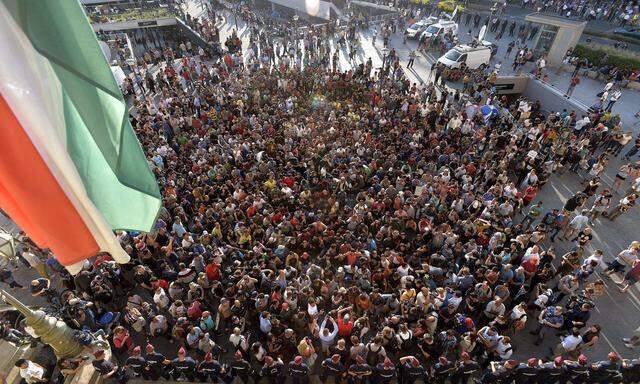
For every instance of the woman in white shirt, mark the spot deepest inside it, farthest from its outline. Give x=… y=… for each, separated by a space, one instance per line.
x=518 y=317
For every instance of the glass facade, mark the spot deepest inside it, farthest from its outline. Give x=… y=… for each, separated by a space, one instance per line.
x=545 y=39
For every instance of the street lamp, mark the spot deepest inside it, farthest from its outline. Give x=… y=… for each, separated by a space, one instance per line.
x=51 y=330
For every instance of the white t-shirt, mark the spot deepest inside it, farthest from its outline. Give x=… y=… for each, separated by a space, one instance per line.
x=579 y=222
x=571 y=342
x=32 y=371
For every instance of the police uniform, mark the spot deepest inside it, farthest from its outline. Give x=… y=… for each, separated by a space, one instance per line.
x=385 y=374
x=604 y=371
x=631 y=371
x=575 y=372
x=138 y=366
x=501 y=375
x=526 y=374
x=299 y=373
x=329 y=368
x=359 y=370
x=209 y=370
x=412 y=373
x=463 y=371
x=155 y=366
x=184 y=368
x=442 y=370
x=272 y=372
x=550 y=372
x=241 y=369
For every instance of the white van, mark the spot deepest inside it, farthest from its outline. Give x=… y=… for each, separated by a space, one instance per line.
x=440 y=28
x=473 y=56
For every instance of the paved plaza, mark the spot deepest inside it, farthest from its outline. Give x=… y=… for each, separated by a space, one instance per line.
x=616 y=312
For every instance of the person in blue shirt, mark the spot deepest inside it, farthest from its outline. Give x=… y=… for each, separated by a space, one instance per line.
x=551 y=317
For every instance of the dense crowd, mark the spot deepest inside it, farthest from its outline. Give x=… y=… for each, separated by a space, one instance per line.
x=622 y=12
x=349 y=224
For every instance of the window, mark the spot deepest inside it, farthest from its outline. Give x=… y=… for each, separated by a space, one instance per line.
x=433 y=30
x=453 y=55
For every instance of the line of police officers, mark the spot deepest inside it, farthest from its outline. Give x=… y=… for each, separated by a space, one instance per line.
x=409 y=370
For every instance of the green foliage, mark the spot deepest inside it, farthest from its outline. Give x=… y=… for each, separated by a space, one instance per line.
x=621 y=59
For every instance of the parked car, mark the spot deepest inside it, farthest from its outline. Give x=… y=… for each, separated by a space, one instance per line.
x=416 y=29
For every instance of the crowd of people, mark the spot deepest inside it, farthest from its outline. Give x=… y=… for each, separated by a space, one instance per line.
x=349 y=224
x=622 y=12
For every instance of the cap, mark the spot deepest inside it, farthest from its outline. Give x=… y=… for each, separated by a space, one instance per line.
x=532 y=361
x=98 y=353
x=238 y=355
x=298 y=359
x=582 y=359
x=181 y=351
x=335 y=358
x=149 y=348
x=268 y=360
x=137 y=349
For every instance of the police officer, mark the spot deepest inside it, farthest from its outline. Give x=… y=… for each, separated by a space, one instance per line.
x=209 y=369
x=157 y=364
x=299 y=371
x=464 y=369
x=442 y=369
x=107 y=369
x=359 y=372
x=499 y=373
x=528 y=373
x=550 y=371
x=272 y=370
x=240 y=367
x=630 y=371
x=184 y=366
x=385 y=371
x=412 y=370
x=137 y=364
x=606 y=371
x=575 y=371
x=332 y=367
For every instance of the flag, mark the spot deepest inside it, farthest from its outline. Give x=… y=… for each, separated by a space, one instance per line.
x=71 y=167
